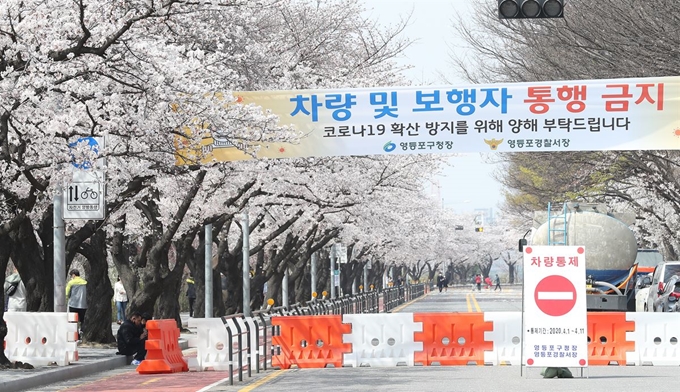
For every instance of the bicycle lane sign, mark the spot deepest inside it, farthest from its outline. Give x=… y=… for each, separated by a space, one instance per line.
x=84 y=199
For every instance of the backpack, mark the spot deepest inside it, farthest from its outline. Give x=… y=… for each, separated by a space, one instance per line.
x=11 y=289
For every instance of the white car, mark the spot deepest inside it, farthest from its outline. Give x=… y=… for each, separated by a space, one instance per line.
x=661 y=275
x=641 y=299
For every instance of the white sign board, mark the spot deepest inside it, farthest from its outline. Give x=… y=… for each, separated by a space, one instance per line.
x=84 y=197
x=555 y=325
x=340 y=252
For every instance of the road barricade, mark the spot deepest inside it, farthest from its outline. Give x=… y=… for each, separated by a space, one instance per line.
x=452 y=338
x=212 y=344
x=381 y=340
x=163 y=354
x=607 y=343
x=656 y=339
x=41 y=338
x=506 y=337
x=309 y=341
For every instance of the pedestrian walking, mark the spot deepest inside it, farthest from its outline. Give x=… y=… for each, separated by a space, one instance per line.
x=191 y=294
x=441 y=283
x=488 y=282
x=76 y=293
x=121 y=298
x=478 y=282
x=498 y=283
x=15 y=293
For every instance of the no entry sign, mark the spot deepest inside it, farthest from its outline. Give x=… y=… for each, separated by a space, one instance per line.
x=554 y=320
x=555 y=295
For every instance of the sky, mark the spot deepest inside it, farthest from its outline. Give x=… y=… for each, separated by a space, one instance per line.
x=468 y=185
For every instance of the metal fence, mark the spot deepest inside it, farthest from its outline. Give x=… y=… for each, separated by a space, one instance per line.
x=251 y=337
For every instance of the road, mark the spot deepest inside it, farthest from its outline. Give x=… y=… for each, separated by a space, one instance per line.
x=428 y=378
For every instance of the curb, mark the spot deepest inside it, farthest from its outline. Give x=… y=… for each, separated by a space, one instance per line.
x=74 y=370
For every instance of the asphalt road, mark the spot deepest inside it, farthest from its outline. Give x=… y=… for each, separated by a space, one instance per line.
x=402 y=378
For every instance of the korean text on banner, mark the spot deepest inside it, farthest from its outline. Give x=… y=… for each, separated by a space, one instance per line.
x=585 y=115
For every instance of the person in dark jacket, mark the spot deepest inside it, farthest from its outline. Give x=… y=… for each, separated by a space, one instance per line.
x=131 y=338
x=441 y=283
x=191 y=294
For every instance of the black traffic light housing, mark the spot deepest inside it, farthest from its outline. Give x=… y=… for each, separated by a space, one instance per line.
x=479 y=229
x=522 y=244
x=530 y=9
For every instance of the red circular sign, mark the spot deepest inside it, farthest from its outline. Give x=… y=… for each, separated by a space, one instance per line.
x=555 y=295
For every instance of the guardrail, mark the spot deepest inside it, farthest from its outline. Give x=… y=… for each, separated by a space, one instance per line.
x=367 y=302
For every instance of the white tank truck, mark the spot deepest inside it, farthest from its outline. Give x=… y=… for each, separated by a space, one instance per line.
x=611 y=249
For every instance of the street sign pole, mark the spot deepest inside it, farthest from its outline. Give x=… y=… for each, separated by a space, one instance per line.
x=59 y=249
x=332 y=272
x=284 y=289
x=245 y=227
x=208 y=278
x=313 y=273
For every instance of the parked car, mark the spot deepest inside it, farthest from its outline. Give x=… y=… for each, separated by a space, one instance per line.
x=642 y=287
x=668 y=299
x=660 y=278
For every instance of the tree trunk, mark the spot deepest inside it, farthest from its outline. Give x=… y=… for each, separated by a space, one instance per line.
x=5 y=246
x=256 y=291
x=35 y=271
x=98 y=317
x=167 y=305
x=511 y=272
x=122 y=251
x=274 y=291
x=234 y=303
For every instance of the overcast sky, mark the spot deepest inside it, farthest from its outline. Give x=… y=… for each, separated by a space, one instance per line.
x=468 y=185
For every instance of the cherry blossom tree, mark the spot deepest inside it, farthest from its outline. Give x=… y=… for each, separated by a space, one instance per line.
x=637 y=42
x=141 y=75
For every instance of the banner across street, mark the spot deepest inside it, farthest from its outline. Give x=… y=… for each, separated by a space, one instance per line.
x=585 y=115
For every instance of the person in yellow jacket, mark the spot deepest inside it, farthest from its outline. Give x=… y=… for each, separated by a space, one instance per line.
x=191 y=294
x=76 y=294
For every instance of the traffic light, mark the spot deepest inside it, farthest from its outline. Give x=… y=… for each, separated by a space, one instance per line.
x=479 y=229
x=530 y=9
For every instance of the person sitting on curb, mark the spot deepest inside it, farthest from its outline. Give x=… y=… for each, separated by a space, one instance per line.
x=131 y=338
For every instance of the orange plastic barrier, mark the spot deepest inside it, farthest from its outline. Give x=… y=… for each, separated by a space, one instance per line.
x=310 y=341
x=162 y=349
x=452 y=338
x=607 y=338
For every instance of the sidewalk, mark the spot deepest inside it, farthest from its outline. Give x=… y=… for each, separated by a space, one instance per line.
x=91 y=360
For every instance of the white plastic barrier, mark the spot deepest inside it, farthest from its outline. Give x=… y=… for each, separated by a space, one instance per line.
x=506 y=337
x=211 y=343
x=41 y=338
x=656 y=338
x=381 y=340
